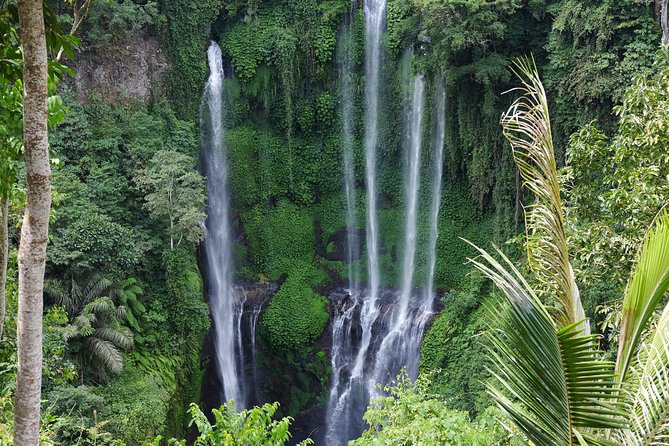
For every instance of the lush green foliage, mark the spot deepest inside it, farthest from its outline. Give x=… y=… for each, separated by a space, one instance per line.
x=233 y=428
x=616 y=185
x=176 y=192
x=284 y=145
x=411 y=415
x=595 y=49
x=451 y=357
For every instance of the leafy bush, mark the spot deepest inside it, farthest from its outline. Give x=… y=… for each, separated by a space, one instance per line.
x=248 y=427
x=138 y=406
x=296 y=316
x=113 y=20
x=409 y=415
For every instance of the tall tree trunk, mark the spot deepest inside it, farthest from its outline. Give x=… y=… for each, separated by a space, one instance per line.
x=34 y=231
x=663 y=23
x=4 y=249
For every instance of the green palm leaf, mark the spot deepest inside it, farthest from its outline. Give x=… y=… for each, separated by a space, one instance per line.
x=648 y=382
x=105 y=353
x=101 y=306
x=118 y=336
x=552 y=382
x=648 y=284
x=647 y=378
x=527 y=127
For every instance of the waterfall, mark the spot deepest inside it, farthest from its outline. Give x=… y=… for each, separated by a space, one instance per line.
x=374 y=12
x=409 y=262
x=343 y=352
x=438 y=160
x=400 y=345
x=217 y=243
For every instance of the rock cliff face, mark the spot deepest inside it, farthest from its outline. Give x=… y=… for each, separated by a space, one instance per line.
x=130 y=69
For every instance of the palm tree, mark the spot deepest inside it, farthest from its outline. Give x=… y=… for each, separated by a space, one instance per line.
x=549 y=374
x=97 y=314
x=102 y=336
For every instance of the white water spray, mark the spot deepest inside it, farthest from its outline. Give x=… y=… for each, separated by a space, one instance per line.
x=400 y=344
x=438 y=160
x=217 y=240
x=375 y=14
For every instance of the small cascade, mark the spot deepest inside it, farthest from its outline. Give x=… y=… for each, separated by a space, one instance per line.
x=250 y=301
x=218 y=241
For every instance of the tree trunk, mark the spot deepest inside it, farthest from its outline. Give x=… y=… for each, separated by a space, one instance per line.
x=663 y=23
x=35 y=227
x=4 y=250
x=518 y=204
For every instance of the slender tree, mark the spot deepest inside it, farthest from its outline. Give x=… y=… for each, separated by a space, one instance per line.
x=34 y=231
x=4 y=250
x=663 y=22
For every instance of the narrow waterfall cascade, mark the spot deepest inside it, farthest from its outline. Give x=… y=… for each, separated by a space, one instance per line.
x=375 y=17
x=400 y=346
x=412 y=185
x=343 y=351
x=437 y=174
x=226 y=310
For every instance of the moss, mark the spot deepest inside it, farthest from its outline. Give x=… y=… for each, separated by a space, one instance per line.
x=296 y=316
x=451 y=352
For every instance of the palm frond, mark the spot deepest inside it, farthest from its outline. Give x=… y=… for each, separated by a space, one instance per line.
x=100 y=306
x=527 y=127
x=648 y=283
x=118 y=336
x=552 y=382
x=55 y=292
x=97 y=286
x=649 y=386
x=84 y=320
x=121 y=313
x=104 y=352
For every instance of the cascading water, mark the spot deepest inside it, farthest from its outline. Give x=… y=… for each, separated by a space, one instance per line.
x=375 y=332
x=375 y=15
x=226 y=310
x=349 y=393
x=413 y=183
x=343 y=351
x=438 y=160
x=400 y=346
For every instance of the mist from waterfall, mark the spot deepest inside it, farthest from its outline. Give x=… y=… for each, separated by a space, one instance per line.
x=226 y=310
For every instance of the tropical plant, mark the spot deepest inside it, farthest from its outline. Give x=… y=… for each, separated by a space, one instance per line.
x=409 y=415
x=550 y=376
x=248 y=427
x=176 y=192
x=129 y=297
x=527 y=127
x=97 y=312
x=101 y=337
